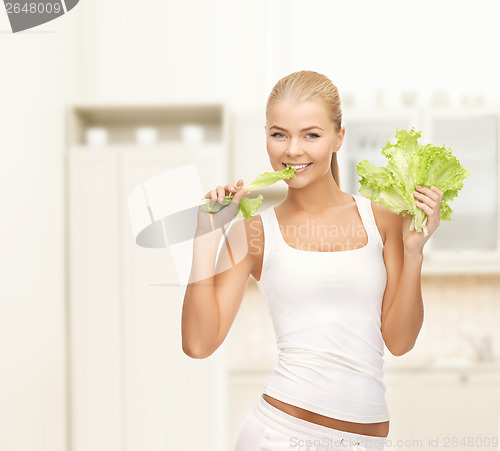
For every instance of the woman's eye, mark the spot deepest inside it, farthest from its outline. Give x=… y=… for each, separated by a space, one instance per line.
x=312 y=135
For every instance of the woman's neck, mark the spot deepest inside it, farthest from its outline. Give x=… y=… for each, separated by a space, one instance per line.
x=315 y=197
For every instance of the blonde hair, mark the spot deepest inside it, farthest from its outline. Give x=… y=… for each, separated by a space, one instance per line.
x=308 y=85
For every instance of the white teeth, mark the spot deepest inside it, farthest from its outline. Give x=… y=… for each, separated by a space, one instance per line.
x=299 y=167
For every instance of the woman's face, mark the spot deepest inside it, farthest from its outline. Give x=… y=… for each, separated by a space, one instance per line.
x=302 y=133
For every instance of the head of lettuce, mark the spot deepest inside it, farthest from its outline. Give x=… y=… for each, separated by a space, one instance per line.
x=411 y=164
x=248 y=207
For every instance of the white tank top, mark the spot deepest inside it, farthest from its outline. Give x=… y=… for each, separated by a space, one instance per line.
x=326 y=312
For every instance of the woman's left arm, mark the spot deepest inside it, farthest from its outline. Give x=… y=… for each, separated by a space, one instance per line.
x=402 y=307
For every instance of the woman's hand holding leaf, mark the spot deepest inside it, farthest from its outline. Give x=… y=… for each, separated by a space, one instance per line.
x=429 y=200
x=223 y=207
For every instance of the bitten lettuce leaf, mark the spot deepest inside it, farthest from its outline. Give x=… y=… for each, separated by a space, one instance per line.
x=249 y=207
x=410 y=164
x=268 y=178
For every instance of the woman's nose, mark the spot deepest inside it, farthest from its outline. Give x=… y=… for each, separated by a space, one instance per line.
x=293 y=148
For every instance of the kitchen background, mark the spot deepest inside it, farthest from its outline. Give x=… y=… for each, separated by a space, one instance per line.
x=115 y=93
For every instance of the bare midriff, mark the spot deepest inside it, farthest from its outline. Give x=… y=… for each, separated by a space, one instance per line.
x=374 y=429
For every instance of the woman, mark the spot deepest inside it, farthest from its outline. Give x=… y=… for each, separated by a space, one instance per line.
x=341 y=276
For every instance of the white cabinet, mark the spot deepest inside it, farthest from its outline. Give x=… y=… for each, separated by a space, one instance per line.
x=473 y=136
x=440 y=409
x=462 y=405
x=131 y=386
x=94 y=301
x=400 y=396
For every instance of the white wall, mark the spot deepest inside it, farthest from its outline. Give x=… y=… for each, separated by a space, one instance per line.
x=391 y=45
x=36 y=79
x=237 y=50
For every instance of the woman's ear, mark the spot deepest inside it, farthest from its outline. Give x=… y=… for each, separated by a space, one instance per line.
x=340 y=139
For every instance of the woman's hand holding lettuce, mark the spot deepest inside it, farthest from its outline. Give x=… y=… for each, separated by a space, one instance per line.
x=248 y=207
x=411 y=164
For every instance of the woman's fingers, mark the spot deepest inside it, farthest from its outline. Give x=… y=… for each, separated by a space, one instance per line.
x=430 y=202
x=434 y=193
x=219 y=193
x=241 y=193
x=424 y=201
x=212 y=195
x=208 y=221
x=425 y=197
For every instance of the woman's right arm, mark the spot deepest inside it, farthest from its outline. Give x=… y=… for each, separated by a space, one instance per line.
x=213 y=296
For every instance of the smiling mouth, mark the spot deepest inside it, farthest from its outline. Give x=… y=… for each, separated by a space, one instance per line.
x=308 y=164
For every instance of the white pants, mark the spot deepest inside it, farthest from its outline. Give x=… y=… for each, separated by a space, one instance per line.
x=266 y=428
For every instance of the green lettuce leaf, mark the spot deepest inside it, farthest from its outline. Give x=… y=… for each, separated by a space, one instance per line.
x=409 y=164
x=249 y=207
x=268 y=178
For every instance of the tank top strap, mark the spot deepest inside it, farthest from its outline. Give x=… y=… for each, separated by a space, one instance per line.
x=267 y=218
x=271 y=226
x=270 y=239
x=366 y=212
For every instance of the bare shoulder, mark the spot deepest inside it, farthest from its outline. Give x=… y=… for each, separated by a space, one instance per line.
x=387 y=221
